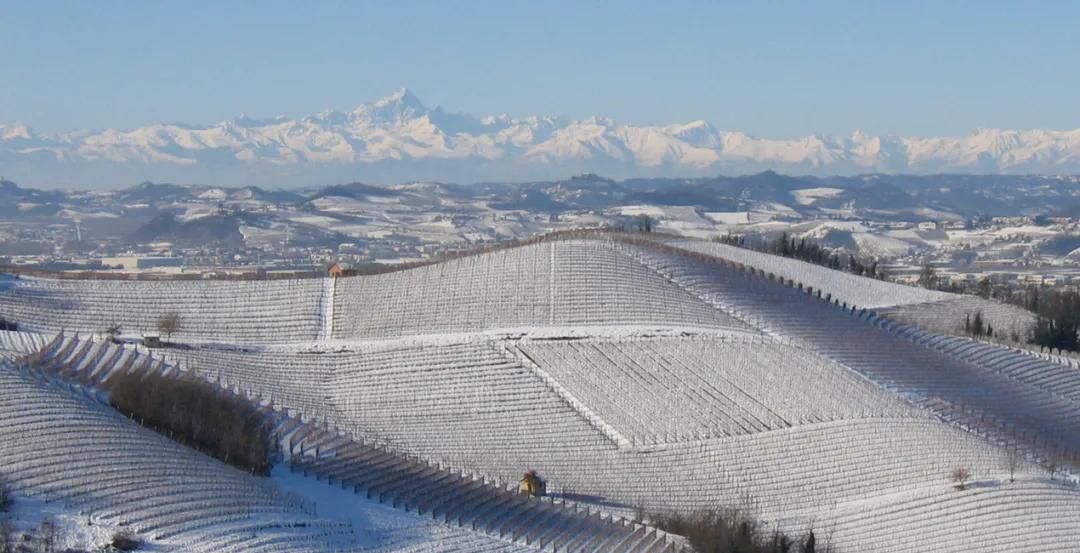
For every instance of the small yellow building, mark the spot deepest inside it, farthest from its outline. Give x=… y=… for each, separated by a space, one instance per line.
x=532 y=484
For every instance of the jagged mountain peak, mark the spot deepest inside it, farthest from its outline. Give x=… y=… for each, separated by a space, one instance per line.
x=399 y=132
x=398 y=107
x=400 y=97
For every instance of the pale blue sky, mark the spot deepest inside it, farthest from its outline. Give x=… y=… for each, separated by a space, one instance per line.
x=775 y=69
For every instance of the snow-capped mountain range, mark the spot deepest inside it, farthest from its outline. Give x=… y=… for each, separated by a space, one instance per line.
x=398 y=137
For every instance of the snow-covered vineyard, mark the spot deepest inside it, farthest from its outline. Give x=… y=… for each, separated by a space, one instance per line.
x=635 y=376
x=935 y=311
x=225 y=311
x=61 y=445
x=554 y=284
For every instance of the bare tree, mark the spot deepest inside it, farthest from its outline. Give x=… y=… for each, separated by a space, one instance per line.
x=169 y=323
x=112 y=331
x=1012 y=463
x=1053 y=465
x=5 y=497
x=960 y=476
x=928 y=277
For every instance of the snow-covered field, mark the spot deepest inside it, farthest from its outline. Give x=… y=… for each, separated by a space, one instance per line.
x=947 y=316
x=807 y=196
x=16 y=344
x=62 y=446
x=571 y=283
x=1030 y=515
x=379 y=527
x=674 y=376
x=863 y=292
x=214 y=310
x=388 y=477
x=73 y=531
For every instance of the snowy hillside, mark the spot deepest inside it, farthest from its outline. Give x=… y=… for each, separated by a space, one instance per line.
x=236 y=311
x=401 y=133
x=631 y=372
x=571 y=283
x=63 y=447
x=855 y=290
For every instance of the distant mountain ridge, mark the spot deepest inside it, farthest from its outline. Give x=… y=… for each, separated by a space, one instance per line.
x=831 y=211
x=399 y=138
x=877 y=196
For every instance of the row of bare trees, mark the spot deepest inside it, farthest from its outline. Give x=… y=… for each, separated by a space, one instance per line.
x=735 y=531
x=167 y=324
x=1057 y=311
x=198 y=414
x=1053 y=463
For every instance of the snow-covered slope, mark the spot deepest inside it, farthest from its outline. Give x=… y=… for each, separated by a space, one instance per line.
x=846 y=287
x=495 y=406
x=467 y=405
x=927 y=309
x=16 y=344
x=216 y=310
x=1041 y=515
x=580 y=283
x=630 y=372
x=947 y=316
x=551 y=284
x=984 y=397
x=61 y=446
x=401 y=129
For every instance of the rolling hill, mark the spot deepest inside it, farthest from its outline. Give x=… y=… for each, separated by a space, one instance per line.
x=637 y=374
